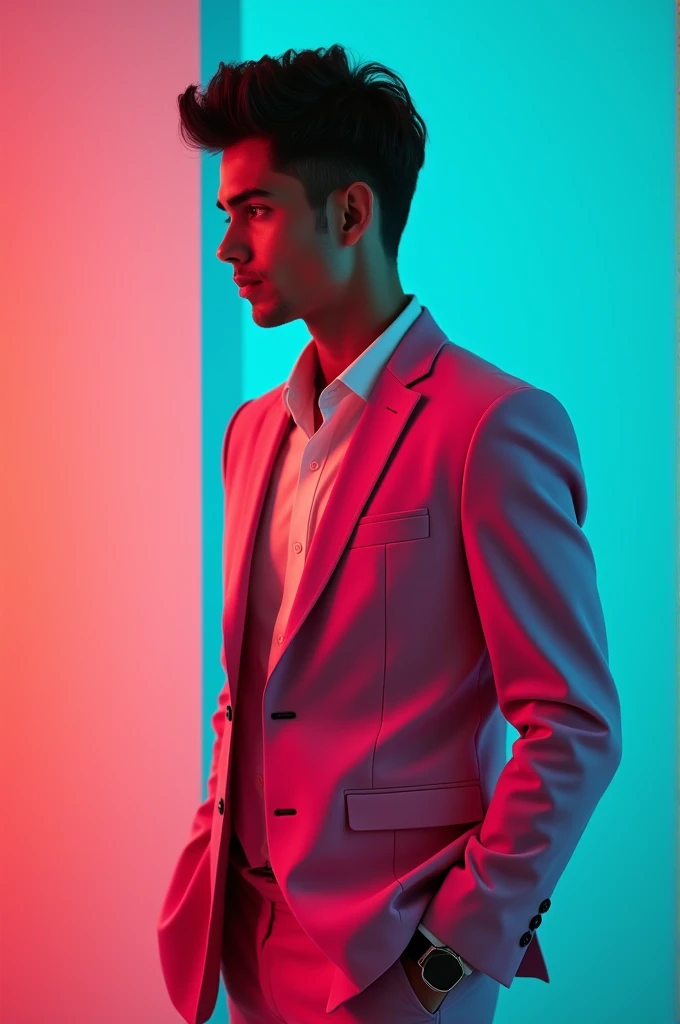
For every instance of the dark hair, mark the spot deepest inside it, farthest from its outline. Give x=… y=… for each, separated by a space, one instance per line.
x=326 y=124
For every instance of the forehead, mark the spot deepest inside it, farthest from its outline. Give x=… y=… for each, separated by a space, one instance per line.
x=246 y=165
x=248 y=156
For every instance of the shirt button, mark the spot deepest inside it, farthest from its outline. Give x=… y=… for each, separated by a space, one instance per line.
x=279 y=638
x=297 y=547
x=313 y=465
x=259 y=780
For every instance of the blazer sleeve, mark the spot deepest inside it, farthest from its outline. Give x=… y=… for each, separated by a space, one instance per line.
x=523 y=504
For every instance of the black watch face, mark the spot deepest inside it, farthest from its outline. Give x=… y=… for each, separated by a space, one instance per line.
x=442 y=970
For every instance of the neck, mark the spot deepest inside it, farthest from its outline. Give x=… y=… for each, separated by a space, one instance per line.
x=337 y=354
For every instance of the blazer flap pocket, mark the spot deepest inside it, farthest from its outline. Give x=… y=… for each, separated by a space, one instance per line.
x=391 y=527
x=414 y=808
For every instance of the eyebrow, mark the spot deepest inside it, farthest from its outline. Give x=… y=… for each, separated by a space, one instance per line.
x=241 y=197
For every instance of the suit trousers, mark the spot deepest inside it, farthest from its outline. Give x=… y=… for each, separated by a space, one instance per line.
x=274 y=973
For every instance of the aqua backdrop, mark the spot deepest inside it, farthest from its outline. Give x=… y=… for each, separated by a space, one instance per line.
x=541 y=236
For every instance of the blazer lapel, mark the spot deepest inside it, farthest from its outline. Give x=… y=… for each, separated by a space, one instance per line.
x=385 y=417
x=378 y=430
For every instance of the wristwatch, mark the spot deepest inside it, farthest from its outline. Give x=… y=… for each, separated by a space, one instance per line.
x=442 y=969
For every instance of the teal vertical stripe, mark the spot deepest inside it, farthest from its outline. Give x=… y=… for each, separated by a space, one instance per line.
x=221 y=363
x=222 y=382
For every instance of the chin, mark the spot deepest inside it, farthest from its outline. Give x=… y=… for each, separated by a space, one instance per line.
x=273 y=315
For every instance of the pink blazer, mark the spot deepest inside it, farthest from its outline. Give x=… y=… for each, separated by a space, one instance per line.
x=449 y=589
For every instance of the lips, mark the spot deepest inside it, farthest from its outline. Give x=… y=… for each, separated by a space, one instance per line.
x=246 y=290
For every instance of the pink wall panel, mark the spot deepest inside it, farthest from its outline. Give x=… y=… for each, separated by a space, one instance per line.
x=100 y=578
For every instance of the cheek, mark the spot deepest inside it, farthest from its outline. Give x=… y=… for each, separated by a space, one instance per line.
x=305 y=267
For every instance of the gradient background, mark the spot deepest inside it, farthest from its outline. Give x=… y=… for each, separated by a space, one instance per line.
x=542 y=236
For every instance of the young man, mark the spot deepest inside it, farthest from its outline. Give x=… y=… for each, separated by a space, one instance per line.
x=404 y=572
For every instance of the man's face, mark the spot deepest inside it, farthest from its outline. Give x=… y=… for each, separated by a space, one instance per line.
x=274 y=239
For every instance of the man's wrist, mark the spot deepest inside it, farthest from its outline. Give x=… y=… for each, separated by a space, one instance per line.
x=468 y=968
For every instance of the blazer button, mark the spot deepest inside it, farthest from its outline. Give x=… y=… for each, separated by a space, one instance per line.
x=220 y=806
x=535 y=921
x=228 y=712
x=544 y=907
x=526 y=939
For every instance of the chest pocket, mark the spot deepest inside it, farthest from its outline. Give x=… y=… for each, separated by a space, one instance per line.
x=390 y=527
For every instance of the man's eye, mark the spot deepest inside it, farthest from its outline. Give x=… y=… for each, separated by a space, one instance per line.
x=228 y=219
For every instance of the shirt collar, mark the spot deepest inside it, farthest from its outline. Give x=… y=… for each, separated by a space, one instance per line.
x=359 y=377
